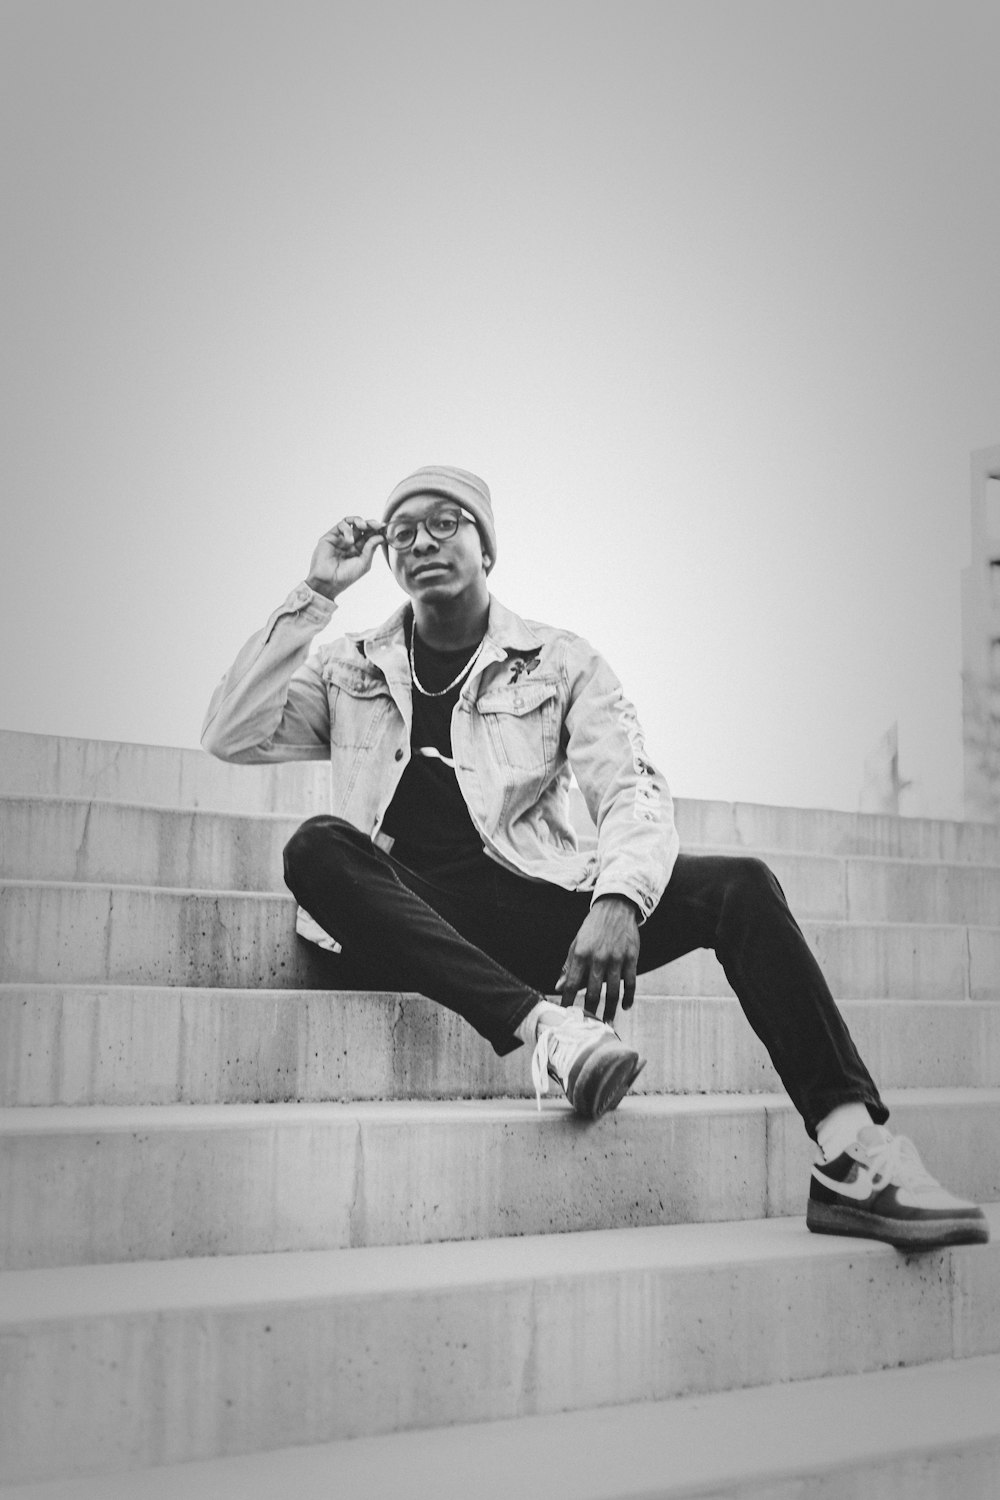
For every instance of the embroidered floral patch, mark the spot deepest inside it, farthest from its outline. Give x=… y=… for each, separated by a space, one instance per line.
x=523 y=666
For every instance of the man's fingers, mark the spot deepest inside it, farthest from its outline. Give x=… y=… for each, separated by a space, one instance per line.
x=628 y=984
x=612 y=987
x=570 y=979
x=356 y=528
x=355 y=536
x=611 y=974
x=378 y=534
x=341 y=536
x=595 y=983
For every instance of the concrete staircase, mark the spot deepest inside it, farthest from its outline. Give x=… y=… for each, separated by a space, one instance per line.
x=258 y=1237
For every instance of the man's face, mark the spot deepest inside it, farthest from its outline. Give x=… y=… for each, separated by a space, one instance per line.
x=436 y=569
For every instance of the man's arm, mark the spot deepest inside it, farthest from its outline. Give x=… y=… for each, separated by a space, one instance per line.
x=626 y=795
x=637 y=843
x=272 y=704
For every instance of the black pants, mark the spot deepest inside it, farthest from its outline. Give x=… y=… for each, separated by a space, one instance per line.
x=490 y=944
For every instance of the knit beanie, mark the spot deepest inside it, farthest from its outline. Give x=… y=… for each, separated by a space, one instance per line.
x=453 y=484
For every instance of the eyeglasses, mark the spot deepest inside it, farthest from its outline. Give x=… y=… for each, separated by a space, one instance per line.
x=440 y=524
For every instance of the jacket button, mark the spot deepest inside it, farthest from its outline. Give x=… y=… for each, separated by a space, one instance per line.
x=399 y=755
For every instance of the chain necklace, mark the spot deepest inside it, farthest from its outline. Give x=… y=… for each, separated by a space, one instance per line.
x=454 y=682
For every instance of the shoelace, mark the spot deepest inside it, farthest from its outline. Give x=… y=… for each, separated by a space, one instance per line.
x=898 y=1161
x=565 y=1038
x=540 y=1064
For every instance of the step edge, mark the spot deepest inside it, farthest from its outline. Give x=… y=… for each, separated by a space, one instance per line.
x=508 y=1110
x=47 y=1295
x=199 y=892
x=714 y=1439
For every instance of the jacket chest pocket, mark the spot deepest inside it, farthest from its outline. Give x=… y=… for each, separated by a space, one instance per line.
x=523 y=722
x=360 y=704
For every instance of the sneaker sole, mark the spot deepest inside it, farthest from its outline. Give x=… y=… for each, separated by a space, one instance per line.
x=603 y=1081
x=905 y=1234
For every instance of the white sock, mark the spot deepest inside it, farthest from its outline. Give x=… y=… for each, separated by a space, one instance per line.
x=527 y=1030
x=840 y=1128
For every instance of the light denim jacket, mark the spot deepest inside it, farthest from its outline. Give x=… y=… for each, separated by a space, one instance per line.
x=539 y=704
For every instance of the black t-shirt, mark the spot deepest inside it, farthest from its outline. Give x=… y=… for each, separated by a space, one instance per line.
x=427 y=818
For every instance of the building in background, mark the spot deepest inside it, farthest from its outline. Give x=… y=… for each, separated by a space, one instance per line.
x=981 y=642
x=883 y=783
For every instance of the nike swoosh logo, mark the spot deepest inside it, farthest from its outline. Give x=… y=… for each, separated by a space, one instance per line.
x=860 y=1190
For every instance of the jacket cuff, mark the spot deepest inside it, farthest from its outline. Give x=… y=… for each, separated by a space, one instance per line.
x=644 y=903
x=303 y=597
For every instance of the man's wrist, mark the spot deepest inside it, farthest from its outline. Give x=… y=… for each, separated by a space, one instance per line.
x=626 y=901
x=324 y=588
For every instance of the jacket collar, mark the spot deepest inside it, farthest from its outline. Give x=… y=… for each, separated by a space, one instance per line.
x=505 y=630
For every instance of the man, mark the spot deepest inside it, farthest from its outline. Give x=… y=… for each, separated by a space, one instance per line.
x=450 y=866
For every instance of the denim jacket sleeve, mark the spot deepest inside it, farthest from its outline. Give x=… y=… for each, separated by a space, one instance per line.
x=272 y=704
x=627 y=797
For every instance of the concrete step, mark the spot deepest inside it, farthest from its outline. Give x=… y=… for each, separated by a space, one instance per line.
x=67 y=839
x=47 y=765
x=158 y=1363
x=34 y=765
x=752 y=826
x=80 y=1044
x=925 y=1432
x=54 y=932
x=76 y=839
x=92 y=1184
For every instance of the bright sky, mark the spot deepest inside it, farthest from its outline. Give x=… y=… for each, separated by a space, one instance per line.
x=706 y=291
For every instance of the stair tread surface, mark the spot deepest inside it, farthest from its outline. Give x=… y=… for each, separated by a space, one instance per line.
x=52 y=1294
x=202 y=1359
x=131 y=1044
x=655 y=1450
x=96 y=840
x=102 y=1185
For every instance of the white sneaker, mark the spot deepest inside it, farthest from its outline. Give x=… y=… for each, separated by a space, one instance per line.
x=589 y=1060
x=880 y=1189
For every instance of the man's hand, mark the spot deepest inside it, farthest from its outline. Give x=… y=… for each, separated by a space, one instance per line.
x=339 y=560
x=604 y=953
